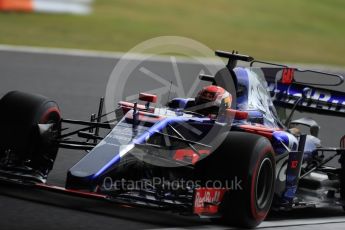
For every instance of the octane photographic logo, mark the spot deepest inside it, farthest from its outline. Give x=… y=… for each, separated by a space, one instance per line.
x=169 y=67
x=109 y=184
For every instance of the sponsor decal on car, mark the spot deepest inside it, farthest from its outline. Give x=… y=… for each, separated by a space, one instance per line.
x=207 y=200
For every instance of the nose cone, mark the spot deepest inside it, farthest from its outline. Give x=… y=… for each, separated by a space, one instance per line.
x=85 y=174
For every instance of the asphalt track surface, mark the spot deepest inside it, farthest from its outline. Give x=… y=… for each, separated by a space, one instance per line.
x=76 y=83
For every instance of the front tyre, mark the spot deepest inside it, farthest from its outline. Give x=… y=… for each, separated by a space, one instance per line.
x=247 y=158
x=22 y=145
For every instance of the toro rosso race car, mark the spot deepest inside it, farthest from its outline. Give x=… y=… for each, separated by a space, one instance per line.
x=225 y=154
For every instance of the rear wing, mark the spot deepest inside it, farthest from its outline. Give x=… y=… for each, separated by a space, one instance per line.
x=286 y=90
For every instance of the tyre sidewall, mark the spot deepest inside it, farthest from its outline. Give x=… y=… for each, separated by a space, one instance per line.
x=240 y=156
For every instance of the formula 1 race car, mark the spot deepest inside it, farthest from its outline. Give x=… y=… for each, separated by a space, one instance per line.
x=225 y=154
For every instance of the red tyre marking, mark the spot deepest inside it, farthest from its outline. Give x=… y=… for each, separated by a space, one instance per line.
x=342 y=142
x=44 y=118
x=259 y=216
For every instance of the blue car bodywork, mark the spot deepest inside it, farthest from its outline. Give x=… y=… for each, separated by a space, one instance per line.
x=257 y=95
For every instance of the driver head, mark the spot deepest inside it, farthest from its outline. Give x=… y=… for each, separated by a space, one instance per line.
x=212 y=100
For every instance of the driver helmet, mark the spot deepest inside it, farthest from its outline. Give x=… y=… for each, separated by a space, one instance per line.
x=212 y=100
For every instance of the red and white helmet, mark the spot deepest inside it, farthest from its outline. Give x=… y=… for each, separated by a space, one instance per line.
x=212 y=99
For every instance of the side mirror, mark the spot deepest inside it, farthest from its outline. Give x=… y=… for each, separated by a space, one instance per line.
x=148 y=98
x=342 y=142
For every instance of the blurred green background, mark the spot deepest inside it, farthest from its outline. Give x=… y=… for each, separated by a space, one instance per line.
x=303 y=31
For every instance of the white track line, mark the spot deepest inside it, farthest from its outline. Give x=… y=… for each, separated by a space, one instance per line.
x=97 y=54
x=59 y=51
x=300 y=222
x=272 y=224
x=134 y=56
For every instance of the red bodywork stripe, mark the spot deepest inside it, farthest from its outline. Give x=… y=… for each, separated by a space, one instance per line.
x=145 y=117
x=71 y=191
x=262 y=131
x=182 y=154
x=126 y=106
x=237 y=114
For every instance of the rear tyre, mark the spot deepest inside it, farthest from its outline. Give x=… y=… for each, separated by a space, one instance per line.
x=22 y=145
x=245 y=164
